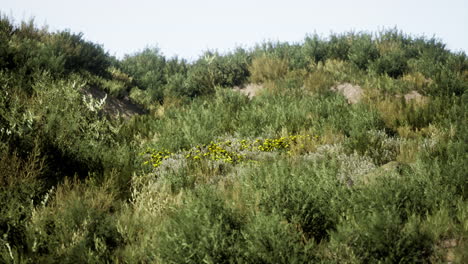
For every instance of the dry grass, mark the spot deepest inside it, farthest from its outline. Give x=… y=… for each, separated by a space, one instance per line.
x=318 y=82
x=267 y=68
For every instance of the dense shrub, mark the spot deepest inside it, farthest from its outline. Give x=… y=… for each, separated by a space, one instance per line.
x=392 y=60
x=226 y=71
x=381 y=237
x=363 y=51
x=147 y=68
x=315 y=49
x=268 y=239
x=79 y=53
x=267 y=68
x=20 y=188
x=206 y=229
x=294 y=174
x=294 y=198
x=339 y=46
x=79 y=217
x=294 y=54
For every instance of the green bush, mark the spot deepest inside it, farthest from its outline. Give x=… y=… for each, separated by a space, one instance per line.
x=209 y=72
x=448 y=83
x=299 y=194
x=339 y=46
x=293 y=174
x=234 y=68
x=381 y=237
x=176 y=86
x=292 y=53
x=147 y=68
x=6 y=30
x=79 y=54
x=315 y=49
x=205 y=229
x=20 y=187
x=201 y=80
x=268 y=239
x=363 y=51
x=76 y=225
x=267 y=68
x=392 y=60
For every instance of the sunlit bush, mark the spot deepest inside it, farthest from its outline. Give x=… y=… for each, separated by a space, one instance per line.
x=147 y=69
x=293 y=174
x=363 y=51
x=267 y=68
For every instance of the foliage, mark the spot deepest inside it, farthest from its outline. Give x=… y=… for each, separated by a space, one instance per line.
x=147 y=68
x=267 y=69
x=295 y=174
x=231 y=151
x=79 y=217
x=363 y=51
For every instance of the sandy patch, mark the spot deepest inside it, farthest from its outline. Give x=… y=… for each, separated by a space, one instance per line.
x=114 y=106
x=250 y=89
x=413 y=95
x=353 y=93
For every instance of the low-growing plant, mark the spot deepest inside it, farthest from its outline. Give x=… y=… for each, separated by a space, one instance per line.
x=20 y=188
x=304 y=208
x=269 y=239
x=389 y=239
x=75 y=225
x=231 y=151
x=204 y=229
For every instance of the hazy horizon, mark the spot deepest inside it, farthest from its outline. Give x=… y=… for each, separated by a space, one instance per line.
x=186 y=28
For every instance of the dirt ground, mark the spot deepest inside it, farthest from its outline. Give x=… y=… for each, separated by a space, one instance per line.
x=250 y=89
x=353 y=93
x=115 y=106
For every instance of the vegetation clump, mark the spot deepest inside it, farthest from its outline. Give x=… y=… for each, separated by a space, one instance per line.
x=230 y=151
x=205 y=174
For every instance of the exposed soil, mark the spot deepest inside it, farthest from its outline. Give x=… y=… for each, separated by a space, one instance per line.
x=353 y=93
x=250 y=89
x=115 y=106
x=414 y=95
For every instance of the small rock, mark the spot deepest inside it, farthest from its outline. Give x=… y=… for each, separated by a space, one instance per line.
x=413 y=95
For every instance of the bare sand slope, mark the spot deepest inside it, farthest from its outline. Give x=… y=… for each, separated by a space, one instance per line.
x=115 y=106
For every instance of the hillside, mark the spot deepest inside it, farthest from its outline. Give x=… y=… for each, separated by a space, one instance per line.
x=346 y=149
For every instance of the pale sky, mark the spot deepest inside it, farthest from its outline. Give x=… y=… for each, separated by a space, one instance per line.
x=187 y=28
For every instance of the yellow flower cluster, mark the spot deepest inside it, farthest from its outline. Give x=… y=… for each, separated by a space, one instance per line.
x=282 y=143
x=215 y=152
x=228 y=152
x=157 y=157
